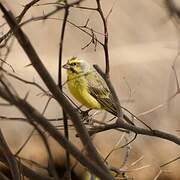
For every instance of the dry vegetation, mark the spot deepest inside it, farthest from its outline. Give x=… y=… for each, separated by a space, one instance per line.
x=43 y=132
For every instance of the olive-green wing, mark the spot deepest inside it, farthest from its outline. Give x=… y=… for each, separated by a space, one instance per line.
x=98 y=89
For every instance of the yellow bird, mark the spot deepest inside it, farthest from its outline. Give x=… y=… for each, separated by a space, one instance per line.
x=88 y=87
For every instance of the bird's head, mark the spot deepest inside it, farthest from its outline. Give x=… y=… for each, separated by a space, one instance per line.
x=75 y=65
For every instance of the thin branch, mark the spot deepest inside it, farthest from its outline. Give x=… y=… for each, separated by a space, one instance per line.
x=23 y=80
x=26 y=8
x=13 y=164
x=4 y=62
x=51 y=160
x=25 y=142
x=26 y=171
x=32 y=132
x=157 y=175
x=33 y=114
x=44 y=74
x=19 y=18
x=32 y=162
x=137 y=161
x=58 y=8
x=173 y=10
x=81 y=28
x=171 y=161
x=65 y=118
x=85 y=8
x=138 y=130
x=110 y=11
x=129 y=142
x=135 y=117
x=105 y=46
x=3 y=177
x=5 y=118
x=115 y=147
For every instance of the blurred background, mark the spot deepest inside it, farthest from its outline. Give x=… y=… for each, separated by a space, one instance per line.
x=143 y=45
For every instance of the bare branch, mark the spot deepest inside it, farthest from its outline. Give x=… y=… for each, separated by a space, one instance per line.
x=23 y=80
x=19 y=18
x=65 y=118
x=33 y=114
x=171 y=161
x=44 y=74
x=138 y=130
x=13 y=164
x=3 y=177
x=105 y=46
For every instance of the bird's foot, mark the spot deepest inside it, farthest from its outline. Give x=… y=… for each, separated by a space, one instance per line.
x=85 y=113
x=85 y=116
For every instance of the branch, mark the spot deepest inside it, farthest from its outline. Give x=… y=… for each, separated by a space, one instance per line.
x=44 y=74
x=24 y=80
x=105 y=45
x=65 y=118
x=58 y=8
x=3 y=177
x=19 y=18
x=138 y=130
x=13 y=164
x=33 y=114
x=51 y=161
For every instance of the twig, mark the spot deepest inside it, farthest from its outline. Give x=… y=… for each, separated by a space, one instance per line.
x=26 y=171
x=129 y=142
x=51 y=161
x=65 y=118
x=25 y=142
x=172 y=8
x=4 y=62
x=58 y=8
x=110 y=11
x=32 y=132
x=44 y=74
x=69 y=22
x=25 y=119
x=171 y=161
x=26 y=8
x=13 y=164
x=115 y=147
x=138 y=130
x=3 y=177
x=19 y=18
x=135 y=117
x=32 y=162
x=137 y=161
x=23 y=80
x=157 y=175
x=105 y=45
x=33 y=114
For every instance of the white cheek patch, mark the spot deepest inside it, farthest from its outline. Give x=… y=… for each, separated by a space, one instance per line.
x=85 y=67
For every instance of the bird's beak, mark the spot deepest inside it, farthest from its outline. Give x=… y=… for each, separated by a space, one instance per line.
x=66 y=66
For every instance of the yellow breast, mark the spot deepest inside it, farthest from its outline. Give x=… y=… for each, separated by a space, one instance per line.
x=78 y=87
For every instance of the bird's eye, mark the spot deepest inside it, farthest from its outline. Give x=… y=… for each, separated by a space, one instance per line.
x=74 y=64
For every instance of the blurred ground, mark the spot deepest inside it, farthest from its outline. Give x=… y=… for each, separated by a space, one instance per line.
x=143 y=44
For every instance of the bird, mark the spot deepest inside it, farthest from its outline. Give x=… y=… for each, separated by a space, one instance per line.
x=88 y=87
